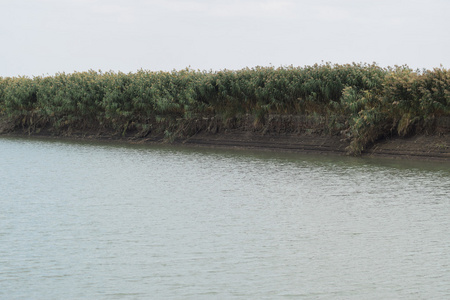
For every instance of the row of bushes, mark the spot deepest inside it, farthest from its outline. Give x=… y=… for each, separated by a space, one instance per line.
x=373 y=101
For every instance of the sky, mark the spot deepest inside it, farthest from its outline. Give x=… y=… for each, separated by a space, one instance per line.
x=45 y=37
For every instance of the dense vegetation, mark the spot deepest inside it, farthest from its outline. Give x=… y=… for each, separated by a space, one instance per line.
x=366 y=101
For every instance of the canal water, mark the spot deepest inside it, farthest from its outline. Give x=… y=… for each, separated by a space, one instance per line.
x=104 y=221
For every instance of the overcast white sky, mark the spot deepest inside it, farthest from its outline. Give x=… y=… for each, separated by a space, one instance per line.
x=40 y=37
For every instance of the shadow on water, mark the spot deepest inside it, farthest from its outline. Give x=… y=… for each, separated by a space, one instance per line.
x=324 y=160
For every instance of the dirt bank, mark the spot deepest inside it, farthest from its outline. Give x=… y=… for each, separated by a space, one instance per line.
x=279 y=133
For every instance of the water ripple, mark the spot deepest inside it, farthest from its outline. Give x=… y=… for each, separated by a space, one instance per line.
x=132 y=222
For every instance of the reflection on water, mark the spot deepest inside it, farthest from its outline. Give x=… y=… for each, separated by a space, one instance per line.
x=80 y=220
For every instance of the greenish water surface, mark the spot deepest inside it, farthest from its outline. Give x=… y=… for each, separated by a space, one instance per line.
x=104 y=221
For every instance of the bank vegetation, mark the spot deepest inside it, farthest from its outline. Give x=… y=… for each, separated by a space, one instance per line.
x=361 y=101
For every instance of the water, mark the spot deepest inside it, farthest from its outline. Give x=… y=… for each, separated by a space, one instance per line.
x=97 y=221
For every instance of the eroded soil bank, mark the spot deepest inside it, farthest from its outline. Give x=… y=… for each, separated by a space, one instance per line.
x=277 y=133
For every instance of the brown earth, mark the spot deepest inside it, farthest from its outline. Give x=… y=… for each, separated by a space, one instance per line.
x=280 y=133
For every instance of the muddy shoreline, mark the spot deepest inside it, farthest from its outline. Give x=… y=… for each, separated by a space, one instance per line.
x=279 y=133
x=434 y=147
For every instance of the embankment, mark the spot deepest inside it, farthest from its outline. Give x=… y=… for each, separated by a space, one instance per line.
x=354 y=108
